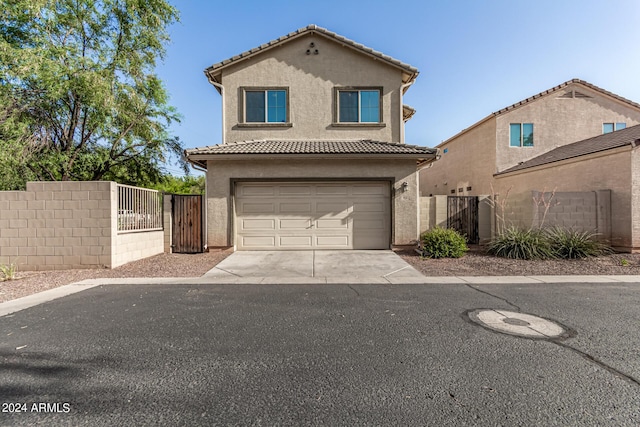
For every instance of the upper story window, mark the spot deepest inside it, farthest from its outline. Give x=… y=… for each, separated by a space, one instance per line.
x=358 y=105
x=611 y=127
x=265 y=105
x=521 y=135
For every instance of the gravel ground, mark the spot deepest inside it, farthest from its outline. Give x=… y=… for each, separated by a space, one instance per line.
x=163 y=265
x=474 y=263
x=477 y=263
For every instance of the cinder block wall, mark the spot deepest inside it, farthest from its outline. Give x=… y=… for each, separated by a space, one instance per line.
x=64 y=225
x=134 y=246
x=577 y=210
x=57 y=225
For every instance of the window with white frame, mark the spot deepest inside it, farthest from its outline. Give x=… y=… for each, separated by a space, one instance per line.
x=265 y=105
x=358 y=105
x=521 y=135
x=611 y=127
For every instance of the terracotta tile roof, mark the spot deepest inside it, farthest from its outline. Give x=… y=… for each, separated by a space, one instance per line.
x=363 y=146
x=596 y=144
x=412 y=71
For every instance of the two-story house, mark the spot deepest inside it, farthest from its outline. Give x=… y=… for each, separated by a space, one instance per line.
x=575 y=143
x=312 y=154
x=572 y=111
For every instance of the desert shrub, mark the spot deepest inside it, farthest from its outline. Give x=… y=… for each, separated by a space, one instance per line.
x=443 y=243
x=572 y=244
x=8 y=271
x=518 y=243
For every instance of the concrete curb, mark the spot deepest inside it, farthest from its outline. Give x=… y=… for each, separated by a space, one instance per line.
x=13 y=306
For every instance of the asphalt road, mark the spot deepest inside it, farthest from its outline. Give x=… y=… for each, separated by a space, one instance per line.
x=321 y=355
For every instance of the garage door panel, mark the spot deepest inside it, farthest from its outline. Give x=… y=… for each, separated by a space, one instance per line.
x=258 y=224
x=296 y=241
x=339 y=241
x=369 y=190
x=292 y=224
x=257 y=242
x=341 y=215
x=369 y=224
x=256 y=190
x=368 y=207
x=332 y=223
x=333 y=208
x=295 y=190
x=295 y=208
x=331 y=190
x=255 y=208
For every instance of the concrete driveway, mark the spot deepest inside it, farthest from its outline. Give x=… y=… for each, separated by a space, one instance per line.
x=311 y=267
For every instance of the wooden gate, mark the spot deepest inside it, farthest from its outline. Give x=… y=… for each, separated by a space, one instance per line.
x=462 y=216
x=186 y=211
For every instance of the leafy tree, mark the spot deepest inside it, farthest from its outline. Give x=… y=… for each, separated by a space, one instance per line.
x=181 y=185
x=79 y=99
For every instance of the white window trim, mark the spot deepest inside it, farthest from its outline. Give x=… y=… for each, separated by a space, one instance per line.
x=521 y=135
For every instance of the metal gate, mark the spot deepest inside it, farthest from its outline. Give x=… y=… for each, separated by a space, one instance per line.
x=186 y=211
x=462 y=216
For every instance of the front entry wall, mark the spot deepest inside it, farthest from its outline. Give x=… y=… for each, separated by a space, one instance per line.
x=225 y=177
x=308 y=215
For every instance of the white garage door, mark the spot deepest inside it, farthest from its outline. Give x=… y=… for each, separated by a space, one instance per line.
x=332 y=215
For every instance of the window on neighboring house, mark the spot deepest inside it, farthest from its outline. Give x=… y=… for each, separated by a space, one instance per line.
x=358 y=105
x=521 y=135
x=610 y=127
x=265 y=106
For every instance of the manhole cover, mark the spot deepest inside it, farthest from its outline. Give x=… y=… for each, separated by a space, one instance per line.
x=514 y=323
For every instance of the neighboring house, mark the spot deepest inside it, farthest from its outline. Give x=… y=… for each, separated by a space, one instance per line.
x=570 y=112
x=574 y=144
x=312 y=153
x=602 y=178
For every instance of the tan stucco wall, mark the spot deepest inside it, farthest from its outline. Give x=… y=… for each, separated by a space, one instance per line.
x=311 y=80
x=635 y=199
x=559 y=121
x=469 y=162
x=607 y=170
x=220 y=202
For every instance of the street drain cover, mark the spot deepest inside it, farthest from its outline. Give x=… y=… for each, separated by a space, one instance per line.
x=510 y=322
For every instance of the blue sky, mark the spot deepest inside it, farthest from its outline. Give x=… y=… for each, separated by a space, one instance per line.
x=475 y=57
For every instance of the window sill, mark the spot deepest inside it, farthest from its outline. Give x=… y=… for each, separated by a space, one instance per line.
x=358 y=125
x=265 y=125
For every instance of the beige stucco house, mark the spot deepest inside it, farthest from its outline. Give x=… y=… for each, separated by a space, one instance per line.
x=570 y=112
x=312 y=154
x=566 y=156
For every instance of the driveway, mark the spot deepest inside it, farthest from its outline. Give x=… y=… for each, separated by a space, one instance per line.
x=310 y=267
x=167 y=354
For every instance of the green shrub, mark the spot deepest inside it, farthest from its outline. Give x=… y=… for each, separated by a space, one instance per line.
x=571 y=244
x=517 y=243
x=8 y=271
x=443 y=243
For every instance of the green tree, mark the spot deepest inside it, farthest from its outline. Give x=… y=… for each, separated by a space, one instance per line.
x=181 y=185
x=79 y=99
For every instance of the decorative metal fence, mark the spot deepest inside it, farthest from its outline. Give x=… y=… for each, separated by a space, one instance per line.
x=139 y=209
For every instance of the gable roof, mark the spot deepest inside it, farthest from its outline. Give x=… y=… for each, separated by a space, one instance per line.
x=607 y=141
x=304 y=148
x=542 y=94
x=213 y=71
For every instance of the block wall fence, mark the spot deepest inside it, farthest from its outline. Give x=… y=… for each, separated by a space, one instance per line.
x=579 y=210
x=64 y=225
